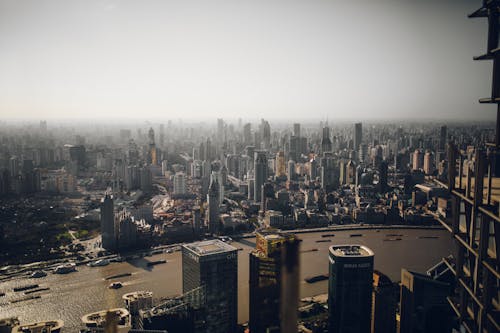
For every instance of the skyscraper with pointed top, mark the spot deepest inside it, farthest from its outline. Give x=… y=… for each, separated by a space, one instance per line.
x=213 y=206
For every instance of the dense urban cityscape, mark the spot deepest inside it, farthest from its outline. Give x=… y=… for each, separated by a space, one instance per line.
x=251 y=221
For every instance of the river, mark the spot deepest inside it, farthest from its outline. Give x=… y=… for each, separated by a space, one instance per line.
x=73 y=295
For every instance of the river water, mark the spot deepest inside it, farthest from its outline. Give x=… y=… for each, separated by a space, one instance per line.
x=73 y=295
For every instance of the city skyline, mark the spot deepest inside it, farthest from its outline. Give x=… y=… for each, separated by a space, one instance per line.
x=329 y=60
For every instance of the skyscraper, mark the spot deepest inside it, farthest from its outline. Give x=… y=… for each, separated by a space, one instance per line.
x=424 y=305
x=384 y=304
x=179 y=183
x=296 y=130
x=326 y=143
x=213 y=206
x=153 y=158
x=265 y=281
x=280 y=164
x=358 y=135
x=443 y=135
x=260 y=175
x=350 y=288
x=108 y=227
x=213 y=265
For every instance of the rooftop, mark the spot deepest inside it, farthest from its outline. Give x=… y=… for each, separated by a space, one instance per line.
x=209 y=247
x=137 y=295
x=351 y=250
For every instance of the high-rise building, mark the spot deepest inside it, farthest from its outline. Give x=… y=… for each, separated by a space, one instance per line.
x=417 y=160
x=291 y=170
x=358 y=135
x=326 y=143
x=265 y=281
x=296 y=130
x=213 y=206
x=429 y=163
x=247 y=133
x=260 y=175
x=146 y=179
x=136 y=301
x=443 y=135
x=179 y=183
x=384 y=304
x=108 y=227
x=213 y=265
x=280 y=164
x=382 y=176
x=424 y=305
x=153 y=158
x=350 y=288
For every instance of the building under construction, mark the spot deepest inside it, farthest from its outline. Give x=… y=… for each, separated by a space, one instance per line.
x=474 y=188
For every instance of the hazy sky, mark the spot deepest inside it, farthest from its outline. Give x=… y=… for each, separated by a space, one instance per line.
x=356 y=59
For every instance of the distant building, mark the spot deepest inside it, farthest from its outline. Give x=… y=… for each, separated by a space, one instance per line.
x=265 y=281
x=109 y=229
x=358 y=135
x=180 y=183
x=260 y=173
x=280 y=164
x=146 y=179
x=350 y=288
x=213 y=264
x=213 y=206
x=326 y=143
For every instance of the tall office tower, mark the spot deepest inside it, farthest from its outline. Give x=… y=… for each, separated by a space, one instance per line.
x=384 y=304
x=343 y=172
x=266 y=134
x=197 y=226
x=265 y=281
x=429 y=163
x=146 y=179
x=220 y=130
x=280 y=164
x=350 y=171
x=358 y=135
x=363 y=153
x=14 y=166
x=290 y=280
x=153 y=159
x=443 y=135
x=294 y=152
x=127 y=230
x=296 y=130
x=213 y=206
x=108 y=226
x=326 y=143
x=180 y=183
x=291 y=170
x=382 y=177
x=417 y=160
x=247 y=134
x=313 y=169
x=213 y=265
x=424 y=305
x=162 y=135
x=260 y=176
x=350 y=288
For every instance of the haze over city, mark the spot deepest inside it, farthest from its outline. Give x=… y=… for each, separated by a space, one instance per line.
x=355 y=60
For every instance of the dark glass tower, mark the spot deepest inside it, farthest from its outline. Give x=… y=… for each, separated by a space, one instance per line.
x=214 y=265
x=265 y=281
x=350 y=289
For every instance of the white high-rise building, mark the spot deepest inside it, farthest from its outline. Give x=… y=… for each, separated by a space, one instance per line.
x=180 y=183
